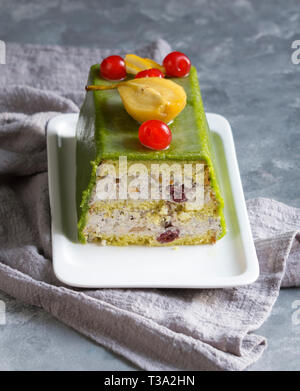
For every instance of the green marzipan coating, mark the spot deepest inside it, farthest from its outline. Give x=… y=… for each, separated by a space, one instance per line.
x=106 y=131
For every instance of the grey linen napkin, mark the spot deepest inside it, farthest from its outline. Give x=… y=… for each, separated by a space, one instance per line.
x=157 y=329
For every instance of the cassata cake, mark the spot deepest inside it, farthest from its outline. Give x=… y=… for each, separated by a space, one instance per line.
x=113 y=120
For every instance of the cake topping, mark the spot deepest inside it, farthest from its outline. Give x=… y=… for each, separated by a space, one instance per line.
x=149 y=73
x=135 y=64
x=152 y=98
x=113 y=68
x=155 y=134
x=177 y=64
x=149 y=98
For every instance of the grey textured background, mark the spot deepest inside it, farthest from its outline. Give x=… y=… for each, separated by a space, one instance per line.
x=242 y=50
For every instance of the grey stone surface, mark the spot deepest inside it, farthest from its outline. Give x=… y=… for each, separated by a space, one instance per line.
x=242 y=50
x=33 y=340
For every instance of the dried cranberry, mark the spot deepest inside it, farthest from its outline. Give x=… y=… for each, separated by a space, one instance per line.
x=174 y=193
x=168 y=236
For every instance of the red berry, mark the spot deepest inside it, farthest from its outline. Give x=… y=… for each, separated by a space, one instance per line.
x=177 y=64
x=168 y=236
x=153 y=72
x=155 y=134
x=113 y=68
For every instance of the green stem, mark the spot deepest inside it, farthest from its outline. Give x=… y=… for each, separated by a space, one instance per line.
x=101 y=88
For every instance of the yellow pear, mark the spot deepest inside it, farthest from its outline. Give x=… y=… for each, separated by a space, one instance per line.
x=152 y=98
x=135 y=64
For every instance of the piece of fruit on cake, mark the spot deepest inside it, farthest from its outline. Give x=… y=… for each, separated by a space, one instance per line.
x=143 y=147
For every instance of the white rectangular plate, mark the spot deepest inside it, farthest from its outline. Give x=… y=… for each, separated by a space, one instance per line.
x=232 y=261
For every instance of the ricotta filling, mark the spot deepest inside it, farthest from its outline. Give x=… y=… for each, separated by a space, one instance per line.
x=123 y=223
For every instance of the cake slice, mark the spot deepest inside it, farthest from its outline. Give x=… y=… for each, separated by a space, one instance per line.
x=106 y=134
